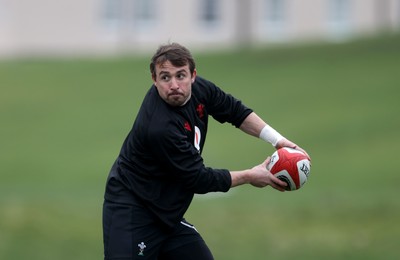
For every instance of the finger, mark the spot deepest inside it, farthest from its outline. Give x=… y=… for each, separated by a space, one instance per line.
x=278 y=182
x=302 y=150
x=278 y=187
x=266 y=162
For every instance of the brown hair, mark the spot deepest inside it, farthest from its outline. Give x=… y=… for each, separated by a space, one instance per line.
x=175 y=53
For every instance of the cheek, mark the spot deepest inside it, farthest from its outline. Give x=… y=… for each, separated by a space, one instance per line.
x=162 y=90
x=186 y=85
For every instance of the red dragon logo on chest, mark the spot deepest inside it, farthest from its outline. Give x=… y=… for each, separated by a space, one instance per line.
x=200 y=110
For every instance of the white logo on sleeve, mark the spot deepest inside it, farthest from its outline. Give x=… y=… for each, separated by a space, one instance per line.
x=197 y=138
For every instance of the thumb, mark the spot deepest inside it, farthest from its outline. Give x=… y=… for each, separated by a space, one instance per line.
x=266 y=162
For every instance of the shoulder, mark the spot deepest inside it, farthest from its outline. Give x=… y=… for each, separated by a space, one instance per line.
x=160 y=118
x=201 y=82
x=205 y=88
x=154 y=115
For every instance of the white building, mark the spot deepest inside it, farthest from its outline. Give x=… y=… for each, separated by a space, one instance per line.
x=72 y=27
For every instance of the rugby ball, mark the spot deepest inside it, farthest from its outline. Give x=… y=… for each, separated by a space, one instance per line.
x=291 y=166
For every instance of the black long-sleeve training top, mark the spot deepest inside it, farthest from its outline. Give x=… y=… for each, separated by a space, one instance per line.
x=160 y=163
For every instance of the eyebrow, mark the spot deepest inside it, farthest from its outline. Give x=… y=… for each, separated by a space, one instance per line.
x=167 y=72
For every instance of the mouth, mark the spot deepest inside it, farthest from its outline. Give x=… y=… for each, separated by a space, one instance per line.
x=175 y=94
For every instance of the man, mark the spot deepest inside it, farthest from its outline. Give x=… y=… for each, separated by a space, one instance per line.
x=160 y=168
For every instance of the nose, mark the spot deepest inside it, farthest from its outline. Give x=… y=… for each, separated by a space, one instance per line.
x=174 y=84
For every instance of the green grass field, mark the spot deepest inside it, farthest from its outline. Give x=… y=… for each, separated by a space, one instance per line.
x=63 y=121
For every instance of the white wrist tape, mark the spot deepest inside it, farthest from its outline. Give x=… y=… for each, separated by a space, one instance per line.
x=270 y=135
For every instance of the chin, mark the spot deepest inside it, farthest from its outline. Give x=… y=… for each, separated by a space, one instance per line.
x=178 y=101
x=175 y=103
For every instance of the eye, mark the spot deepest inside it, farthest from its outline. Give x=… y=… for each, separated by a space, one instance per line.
x=165 y=77
x=181 y=76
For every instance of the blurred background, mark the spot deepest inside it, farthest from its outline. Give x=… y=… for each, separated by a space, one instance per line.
x=324 y=73
x=45 y=27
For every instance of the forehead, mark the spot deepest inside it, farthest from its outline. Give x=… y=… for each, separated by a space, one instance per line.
x=168 y=67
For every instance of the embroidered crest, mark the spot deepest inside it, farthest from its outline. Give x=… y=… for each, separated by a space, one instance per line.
x=187 y=126
x=200 y=110
x=141 y=246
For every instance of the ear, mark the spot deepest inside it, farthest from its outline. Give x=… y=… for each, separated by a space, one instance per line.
x=194 y=74
x=154 y=80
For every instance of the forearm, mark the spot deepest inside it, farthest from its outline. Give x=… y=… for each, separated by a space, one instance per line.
x=252 y=125
x=255 y=126
x=257 y=176
x=239 y=178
